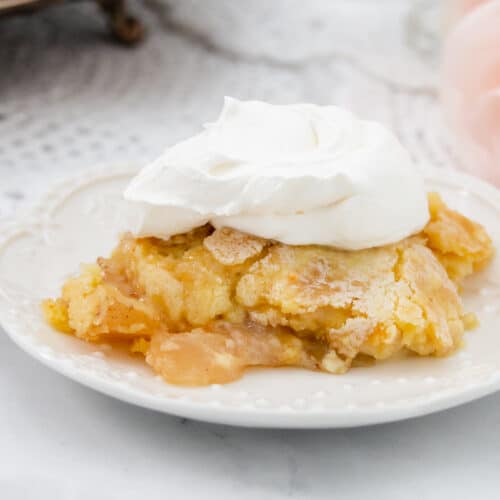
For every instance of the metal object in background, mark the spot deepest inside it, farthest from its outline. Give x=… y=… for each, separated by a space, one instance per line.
x=124 y=27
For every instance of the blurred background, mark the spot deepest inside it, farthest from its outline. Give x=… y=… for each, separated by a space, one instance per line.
x=73 y=97
x=105 y=82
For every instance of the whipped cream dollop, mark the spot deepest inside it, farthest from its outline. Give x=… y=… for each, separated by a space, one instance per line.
x=300 y=174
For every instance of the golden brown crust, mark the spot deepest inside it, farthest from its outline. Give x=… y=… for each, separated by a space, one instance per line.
x=461 y=245
x=230 y=247
x=309 y=306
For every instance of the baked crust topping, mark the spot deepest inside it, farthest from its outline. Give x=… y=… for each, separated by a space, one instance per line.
x=204 y=305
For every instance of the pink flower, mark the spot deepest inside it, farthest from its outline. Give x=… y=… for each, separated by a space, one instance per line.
x=471 y=87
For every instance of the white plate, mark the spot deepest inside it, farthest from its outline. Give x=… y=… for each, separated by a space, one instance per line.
x=79 y=221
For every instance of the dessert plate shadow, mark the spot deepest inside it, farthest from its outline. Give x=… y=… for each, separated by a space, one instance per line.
x=81 y=218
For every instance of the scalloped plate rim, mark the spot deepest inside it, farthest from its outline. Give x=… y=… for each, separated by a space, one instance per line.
x=243 y=415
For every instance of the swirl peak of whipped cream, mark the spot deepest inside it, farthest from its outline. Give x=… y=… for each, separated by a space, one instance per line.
x=300 y=174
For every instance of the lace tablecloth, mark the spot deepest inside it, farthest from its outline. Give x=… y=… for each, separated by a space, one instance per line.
x=71 y=99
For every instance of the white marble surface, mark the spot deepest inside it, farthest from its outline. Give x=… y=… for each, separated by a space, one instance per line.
x=69 y=100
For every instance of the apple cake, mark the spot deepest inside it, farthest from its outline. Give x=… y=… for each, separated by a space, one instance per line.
x=204 y=305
